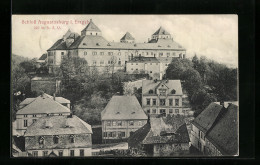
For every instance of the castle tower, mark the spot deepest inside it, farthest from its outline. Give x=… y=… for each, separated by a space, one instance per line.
x=127 y=38
x=161 y=34
x=91 y=29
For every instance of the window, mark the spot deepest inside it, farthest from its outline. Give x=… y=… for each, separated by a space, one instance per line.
x=147 y=53
x=71 y=152
x=108 y=123
x=161 y=54
x=163 y=111
x=148 y=101
x=45 y=153
x=41 y=140
x=85 y=53
x=60 y=153
x=114 y=134
x=170 y=102
x=25 y=123
x=35 y=153
x=96 y=34
x=109 y=134
x=94 y=53
x=177 y=111
x=34 y=115
x=94 y=62
x=176 y=102
x=72 y=139
x=81 y=152
x=110 y=53
x=105 y=134
x=202 y=135
x=34 y=120
x=101 y=62
x=170 y=110
x=154 y=110
x=101 y=53
x=119 y=62
x=140 y=123
x=162 y=92
x=131 y=122
x=122 y=134
x=173 y=91
x=114 y=123
x=168 y=54
x=119 y=123
x=24 y=115
x=148 y=110
x=154 y=101
x=56 y=139
x=173 y=53
x=60 y=114
x=162 y=101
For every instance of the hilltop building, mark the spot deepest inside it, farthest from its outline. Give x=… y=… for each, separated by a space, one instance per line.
x=102 y=54
x=122 y=116
x=162 y=97
x=58 y=136
x=34 y=108
x=161 y=137
x=214 y=131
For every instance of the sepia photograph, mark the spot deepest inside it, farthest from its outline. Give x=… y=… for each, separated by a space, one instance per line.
x=124 y=86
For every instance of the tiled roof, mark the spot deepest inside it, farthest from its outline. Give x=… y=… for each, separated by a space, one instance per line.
x=58 y=123
x=27 y=101
x=58 y=45
x=127 y=36
x=152 y=133
x=43 y=57
x=205 y=120
x=43 y=104
x=123 y=108
x=171 y=84
x=144 y=59
x=224 y=134
x=91 y=27
x=99 y=42
x=161 y=31
x=61 y=100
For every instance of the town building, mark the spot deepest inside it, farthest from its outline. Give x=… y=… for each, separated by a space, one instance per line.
x=161 y=137
x=58 y=136
x=34 y=108
x=214 y=131
x=122 y=116
x=105 y=55
x=162 y=97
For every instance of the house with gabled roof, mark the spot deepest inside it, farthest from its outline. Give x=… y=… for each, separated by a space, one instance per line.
x=34 y=108
x=214 y=131
x=161 y=137
x=122 y=116
x=58 y=136
x=162 y=97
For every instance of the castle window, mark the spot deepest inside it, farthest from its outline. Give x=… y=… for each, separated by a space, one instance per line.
x=34 y=115
x=176 y=102
x=162 y=101
x=114 y=123
x=119 y=62
x=148 y=101
x=101 y=53
x=148 y=110
x=72 y=151
x=41 y=140
x=173 y=91
x=25 y=123
x=108 y=123
x=140 y=122
x=45 y=153
x=147 y=53
x=154 y=111
x=168 y=54
x=170 y=110
x=24 y=115
x=151 y=91
x=96 y=34
x=110 y=53
x=119 y=123
x=85 y=53
x=94 y=53
x=154 y=101
x=161 y=54
x=177 y=111
x=170 y=102
x=35 y=153
x=131 y=123
x=34 y=120
x=94 y=62
x=62 y=53
x=72 y=139
x=56 y=139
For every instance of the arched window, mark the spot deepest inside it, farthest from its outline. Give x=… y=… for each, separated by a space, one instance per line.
x=72 y=139
x=173 y=91
x=41 y=140
x=151 y=91
x=56 y=139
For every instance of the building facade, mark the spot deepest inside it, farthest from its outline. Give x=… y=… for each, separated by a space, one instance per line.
x=162 y=97
x=122 y=116
x=214 y=131
x=104 y=55
x=34 y=108
x=160 y=138
x=59 y=136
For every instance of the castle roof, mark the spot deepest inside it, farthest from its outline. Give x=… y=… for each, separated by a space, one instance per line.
x=161 y=31
x=127 y=36
x=43 y=104
x=91 y=27
x=123 y=108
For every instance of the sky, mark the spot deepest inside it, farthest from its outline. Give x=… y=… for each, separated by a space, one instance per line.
x=213 y=36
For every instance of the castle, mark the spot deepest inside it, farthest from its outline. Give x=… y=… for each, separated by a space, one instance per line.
x=103 y=54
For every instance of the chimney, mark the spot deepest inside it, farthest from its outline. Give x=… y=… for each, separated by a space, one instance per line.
x=54 y=96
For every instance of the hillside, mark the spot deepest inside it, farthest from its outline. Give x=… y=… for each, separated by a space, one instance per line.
x=18 y=59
